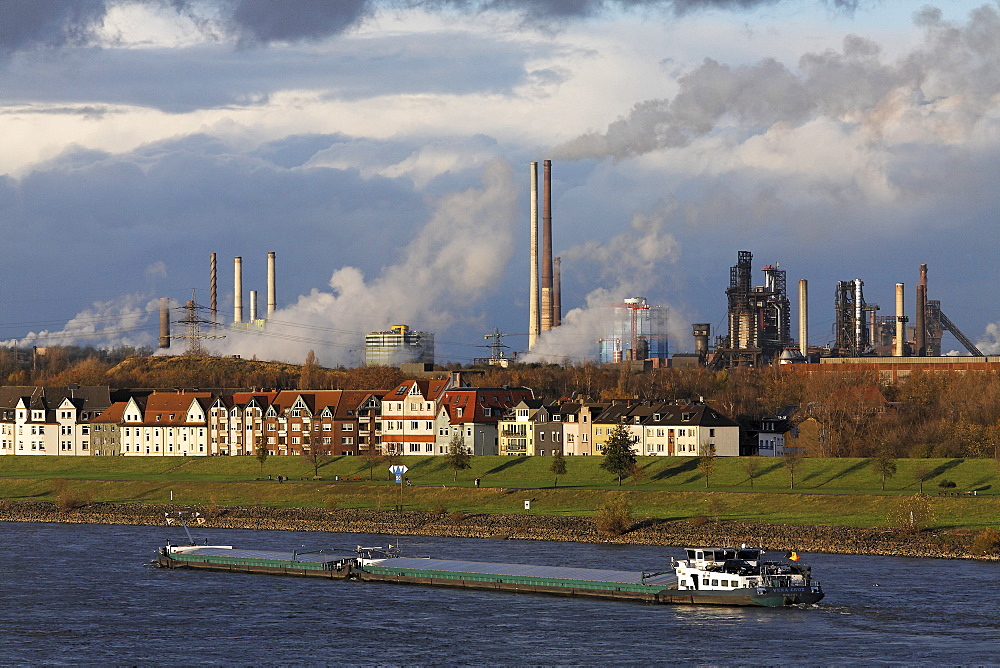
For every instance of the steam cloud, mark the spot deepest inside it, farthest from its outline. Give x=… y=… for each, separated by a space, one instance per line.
x=450 y=263
x=630 y=262
x=939 y=92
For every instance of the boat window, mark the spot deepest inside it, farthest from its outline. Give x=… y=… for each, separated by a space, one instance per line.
x=690 y=554
x=715 y=583
x=700 y=555
x=705 y=581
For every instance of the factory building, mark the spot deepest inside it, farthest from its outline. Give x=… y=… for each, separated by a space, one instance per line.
x=759 y=316
x=399 y=345
x=635 y=331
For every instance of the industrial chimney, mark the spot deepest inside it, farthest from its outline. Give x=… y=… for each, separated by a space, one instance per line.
x=556 y=292
x=546 y=323
x=238 y=289
x=164 y=322
x=804 y=317
x=213 y=289
x=272 y=298
x=920 y=318
x=253 y=306
x=900 y=322
x=533 y=318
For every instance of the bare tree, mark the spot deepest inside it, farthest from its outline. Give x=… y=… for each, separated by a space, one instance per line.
x=792 y=460
x=752 y=466
x=707 y=462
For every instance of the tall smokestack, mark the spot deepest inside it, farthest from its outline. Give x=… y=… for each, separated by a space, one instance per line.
x=900 y=322
x=920 y=319
x=213 y=289
x=164 y=322
x=546 y=245
x=253 y=305
x=272 y=298
x=804 y=317
x=556 y=292
x=919 y=326
x=237 y=289
x=533 y=326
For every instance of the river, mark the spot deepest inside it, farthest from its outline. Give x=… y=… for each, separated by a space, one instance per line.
x=74 y=594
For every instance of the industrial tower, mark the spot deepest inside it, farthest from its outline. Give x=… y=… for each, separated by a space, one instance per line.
x=759 y=316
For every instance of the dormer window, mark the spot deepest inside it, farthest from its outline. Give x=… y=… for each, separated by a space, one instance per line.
x=656 y=417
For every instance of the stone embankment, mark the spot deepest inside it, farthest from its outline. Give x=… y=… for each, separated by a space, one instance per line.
x=831 y=539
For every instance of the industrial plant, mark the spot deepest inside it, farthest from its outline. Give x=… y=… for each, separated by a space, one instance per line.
x=758 y=318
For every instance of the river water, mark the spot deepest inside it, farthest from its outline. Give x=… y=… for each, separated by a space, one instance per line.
x=86 y=594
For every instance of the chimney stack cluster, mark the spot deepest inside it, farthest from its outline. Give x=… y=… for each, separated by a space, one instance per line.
x=545 y=312
x=238 y=289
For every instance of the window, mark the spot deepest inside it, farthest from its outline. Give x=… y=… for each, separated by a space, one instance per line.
x=327 y=427
x=347 y=440
x=270 y=426
x=459 y=412
x=414 y=425
x=711 y=433
x=295 y=440
x=349 y=426
x=541 y=436
x=429 y=448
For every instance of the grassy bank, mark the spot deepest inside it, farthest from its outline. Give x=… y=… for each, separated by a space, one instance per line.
x=831 y=492
x=816 y=476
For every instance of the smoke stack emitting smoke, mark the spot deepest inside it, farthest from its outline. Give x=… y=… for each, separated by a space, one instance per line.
x=549 y=314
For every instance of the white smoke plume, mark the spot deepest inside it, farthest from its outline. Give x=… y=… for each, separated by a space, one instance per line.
x=119 y=322
x=940 y=93
x=450 y=263
x=629 y=265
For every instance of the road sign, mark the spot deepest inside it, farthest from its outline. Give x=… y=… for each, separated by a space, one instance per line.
x=398 y=469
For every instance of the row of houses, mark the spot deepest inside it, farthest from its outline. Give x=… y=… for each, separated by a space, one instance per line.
x=418 y=417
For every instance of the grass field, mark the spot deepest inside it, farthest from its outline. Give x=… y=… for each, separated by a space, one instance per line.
x=827 y=491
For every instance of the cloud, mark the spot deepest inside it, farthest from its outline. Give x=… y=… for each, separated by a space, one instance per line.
x=30 y=24
x=937 y=94
x=157 y=269
x=449 y=264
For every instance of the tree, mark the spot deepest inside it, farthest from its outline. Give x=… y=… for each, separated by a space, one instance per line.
x=558 y=466
x=261 y=452
x=316 y=455
x=752 y=467
x=308 y=375
x=884 y=465
x=372 y=459
x=792 y=460
x=619 y=458
x=923 y=473
x=458 y=457
x=707 y=462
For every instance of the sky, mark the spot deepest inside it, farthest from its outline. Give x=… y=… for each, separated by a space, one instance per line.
x=381 y=148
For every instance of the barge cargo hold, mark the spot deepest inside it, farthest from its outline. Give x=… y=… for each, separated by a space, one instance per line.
x=735 y=579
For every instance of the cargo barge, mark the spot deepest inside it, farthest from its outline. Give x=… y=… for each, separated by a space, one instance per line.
x=717 y=576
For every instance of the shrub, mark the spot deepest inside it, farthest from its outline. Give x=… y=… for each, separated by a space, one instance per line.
x=331 y=503
x=457 y=517
x=67 y=499
x=947 y=484
x=614 y=517
x=699 y=521
x=986 y=543
x=912 y=514
x=439 y=509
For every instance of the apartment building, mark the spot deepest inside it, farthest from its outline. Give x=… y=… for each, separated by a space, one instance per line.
x=474 y=414
x=409 y=415
x=49 y=421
